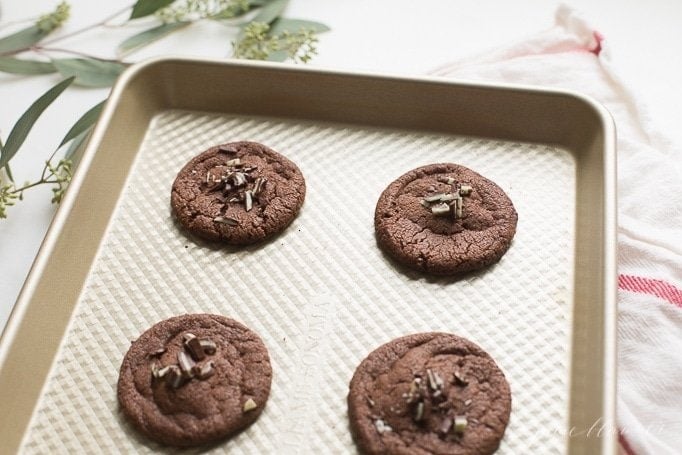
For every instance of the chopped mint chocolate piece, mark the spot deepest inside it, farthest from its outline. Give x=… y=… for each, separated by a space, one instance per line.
x=459 y=379
x=226 y=220
x=206 y=371
x=186 y=363
x=460 y=424
x=208 y=346
x=382 y=427
x=444 y=427
x=174 y=377
x=250 y=405
x=419 y=412
x=434 y=198
x=440 y=209
x=193 y=345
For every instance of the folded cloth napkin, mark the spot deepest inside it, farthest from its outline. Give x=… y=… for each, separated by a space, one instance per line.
x=573 y=55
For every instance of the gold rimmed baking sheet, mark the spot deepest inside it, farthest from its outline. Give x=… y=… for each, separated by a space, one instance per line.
x=322 y=295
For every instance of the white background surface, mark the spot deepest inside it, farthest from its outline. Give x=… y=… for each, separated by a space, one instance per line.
x=396 y=36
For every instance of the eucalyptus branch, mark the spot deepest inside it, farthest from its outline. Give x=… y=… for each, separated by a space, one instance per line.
x=20 y=191
x=44 y=50
x=265 y=35
x=45 y=169
x=45 y=21
x=59 y=175
x=101 y=23
x=195 y=10
x=259 y=43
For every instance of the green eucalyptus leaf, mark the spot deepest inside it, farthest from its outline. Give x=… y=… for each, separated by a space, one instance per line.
x=77 y=143
x=22 y=39
x=23 y=126
x=270 y=11
x=228 y=13
x=284 y=24
x=146 y=7
x=8 y=170
x=277 y=56
x=149 y=36
x=84 y=123
x=89 y=72
x=23 y=66
x=257 y=3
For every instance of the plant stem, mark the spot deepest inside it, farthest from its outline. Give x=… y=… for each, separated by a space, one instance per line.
x=74 y=33
x=43 y=178
x=89 y=27
x=43 y=50
x=42 y=174
x=31 y=185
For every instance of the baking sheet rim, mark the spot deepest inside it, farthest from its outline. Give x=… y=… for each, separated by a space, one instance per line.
x=609 y=233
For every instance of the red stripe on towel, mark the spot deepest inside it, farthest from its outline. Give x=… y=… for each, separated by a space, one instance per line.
x=598 y=37
x=658 y=288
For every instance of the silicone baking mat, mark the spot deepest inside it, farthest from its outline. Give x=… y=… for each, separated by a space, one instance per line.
x=321 y=295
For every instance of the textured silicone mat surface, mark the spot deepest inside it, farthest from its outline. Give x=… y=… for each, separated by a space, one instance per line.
x=321 y=295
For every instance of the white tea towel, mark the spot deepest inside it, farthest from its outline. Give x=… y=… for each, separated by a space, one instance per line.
x=573 y=55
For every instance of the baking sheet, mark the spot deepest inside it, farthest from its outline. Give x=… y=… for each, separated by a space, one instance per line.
x=321 y=295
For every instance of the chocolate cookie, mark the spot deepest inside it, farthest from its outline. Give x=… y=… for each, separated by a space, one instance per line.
x=238 y=193
x=429 y=393
x=444 y=219
x=194 y=379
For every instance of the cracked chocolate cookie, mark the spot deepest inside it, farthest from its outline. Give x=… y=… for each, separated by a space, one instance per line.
x=444 y=219
x=429 y=393
x=237 y=193
x=194 y=379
